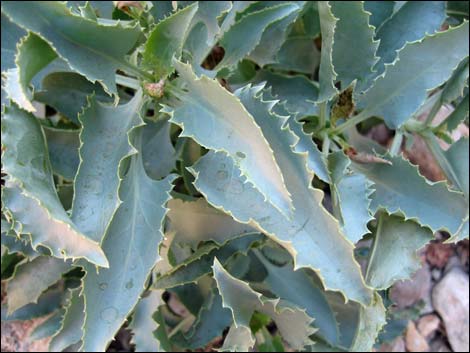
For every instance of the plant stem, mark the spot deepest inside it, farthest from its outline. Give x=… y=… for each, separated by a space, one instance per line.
x=413 y=125
x=178 y=92
x=434 y=110
x=364 y=115
x=322 y=121
x=180 y=325
x=359 y=118
x=134 y=70
x=396 y=144
x=431 y=101
x=441 y=159
x=325 y=148
x=127 y=81
x=373 y=247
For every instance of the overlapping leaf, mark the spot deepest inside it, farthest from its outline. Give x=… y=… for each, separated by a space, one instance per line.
x=158 y=153
x=143 y=325
x=166 y=41
x=131 y=242
x=293 y=323
x=402 y=27
x=299 y=288
x=351 y=198
x=227 y=126
x=432 y=205
x=380 y=11
x=394 y=253
x=71 y=324
x=196 y=221
x=304 y=235
x=31 y=279
x=31 y=198
x=95 y=51
x=103 y=144
x=353 y=26
x=421 y=67
x=11 y=35
x=33 y=54
x=63 y=151
x=212 y=320
x=244 y=35
x=327 y=74
x=67 y=92
x=199 y=264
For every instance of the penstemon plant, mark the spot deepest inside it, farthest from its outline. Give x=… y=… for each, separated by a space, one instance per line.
x=210 y=154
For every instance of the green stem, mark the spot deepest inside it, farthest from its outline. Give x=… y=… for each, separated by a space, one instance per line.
x=364 y=115
x=434 y=110
x=430 y=102
x=127 y=81
x=325 y=148
x=134 y=70
x=375 y=241
x=441 y=159
x=180 y=326
x=335 y=205
x=396 y=144
x=322 y=121
x=178 y=92
x=417 y=126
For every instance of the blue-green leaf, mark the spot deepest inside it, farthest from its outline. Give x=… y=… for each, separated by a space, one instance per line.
x=421 y=67
x=166 y=41
x=403 y=27
x=93 y=50
x=67 y=92
x=380 y=11
x=227 y=126
x=212 y=320
x=103 y=145
x=63 y=151
x=71 y=324
x=196 y=221
x=131 y=243
x=33 y=54
x=327 y=74
x=31 y=198
x=431 y=204
x=299 y=288
x=158 y=153
x=394 y=253
x=143 y=325
x=292 y=322
x=304 y=236
x=243 y=37
x=351 y=197
x=353 y=27
x=11 y=35
x=32 y=278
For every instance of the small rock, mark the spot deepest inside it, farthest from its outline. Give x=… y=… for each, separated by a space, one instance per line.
x=15 y=337
x=380 y=133
x=454 y=261
x=177 y=307
x=413 y=339
x=463 y=252
x=439 y=345
x=420 y=155
x=398 y=345
x=428 y=325
x=436 y=274
x=407 y=293
x=450 y=297
x=438 y=254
